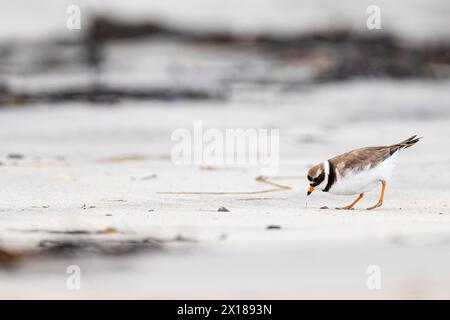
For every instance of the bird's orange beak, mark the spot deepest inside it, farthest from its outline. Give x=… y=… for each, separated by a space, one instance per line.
x=310 y=190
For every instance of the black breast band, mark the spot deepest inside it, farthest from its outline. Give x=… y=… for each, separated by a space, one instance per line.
x=331 y=177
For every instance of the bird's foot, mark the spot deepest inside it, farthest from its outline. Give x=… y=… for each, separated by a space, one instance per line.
x=376 y=206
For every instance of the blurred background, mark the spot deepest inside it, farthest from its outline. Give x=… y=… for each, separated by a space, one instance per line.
x=86 y=117
x=211 y=50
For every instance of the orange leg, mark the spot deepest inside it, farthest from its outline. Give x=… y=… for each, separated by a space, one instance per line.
x=380 y=201
x=350 y=206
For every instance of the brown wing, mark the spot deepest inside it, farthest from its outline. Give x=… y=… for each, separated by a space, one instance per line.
x=369 y=157
x=359 y=159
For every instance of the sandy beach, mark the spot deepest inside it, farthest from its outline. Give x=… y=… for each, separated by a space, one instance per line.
x=89 y=183
x=91 y=169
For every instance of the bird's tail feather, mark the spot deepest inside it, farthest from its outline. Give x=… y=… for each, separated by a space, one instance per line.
x=405 y=144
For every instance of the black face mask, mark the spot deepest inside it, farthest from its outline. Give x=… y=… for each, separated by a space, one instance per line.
x=316 y=181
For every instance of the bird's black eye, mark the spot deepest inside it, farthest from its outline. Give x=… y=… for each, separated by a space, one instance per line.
x=309 y=178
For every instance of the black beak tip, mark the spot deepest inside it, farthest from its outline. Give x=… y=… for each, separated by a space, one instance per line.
x=308 y=193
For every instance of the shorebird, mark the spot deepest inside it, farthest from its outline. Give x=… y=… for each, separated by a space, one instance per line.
x=357 y=171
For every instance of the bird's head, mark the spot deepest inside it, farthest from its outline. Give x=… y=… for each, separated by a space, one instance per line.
x=316 y=177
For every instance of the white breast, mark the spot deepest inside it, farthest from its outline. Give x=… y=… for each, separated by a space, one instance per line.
x=364 y=180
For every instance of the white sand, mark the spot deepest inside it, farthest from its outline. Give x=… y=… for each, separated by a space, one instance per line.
x=316 y=253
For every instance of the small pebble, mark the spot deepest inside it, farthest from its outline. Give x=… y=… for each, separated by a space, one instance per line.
x=324 y=207
x=84 y=207
x=223 y=209
x=272 y=227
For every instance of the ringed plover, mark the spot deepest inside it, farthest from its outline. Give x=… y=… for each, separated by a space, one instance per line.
x=357 y=171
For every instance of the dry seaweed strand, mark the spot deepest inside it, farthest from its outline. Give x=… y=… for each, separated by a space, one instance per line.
x=263 y=179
